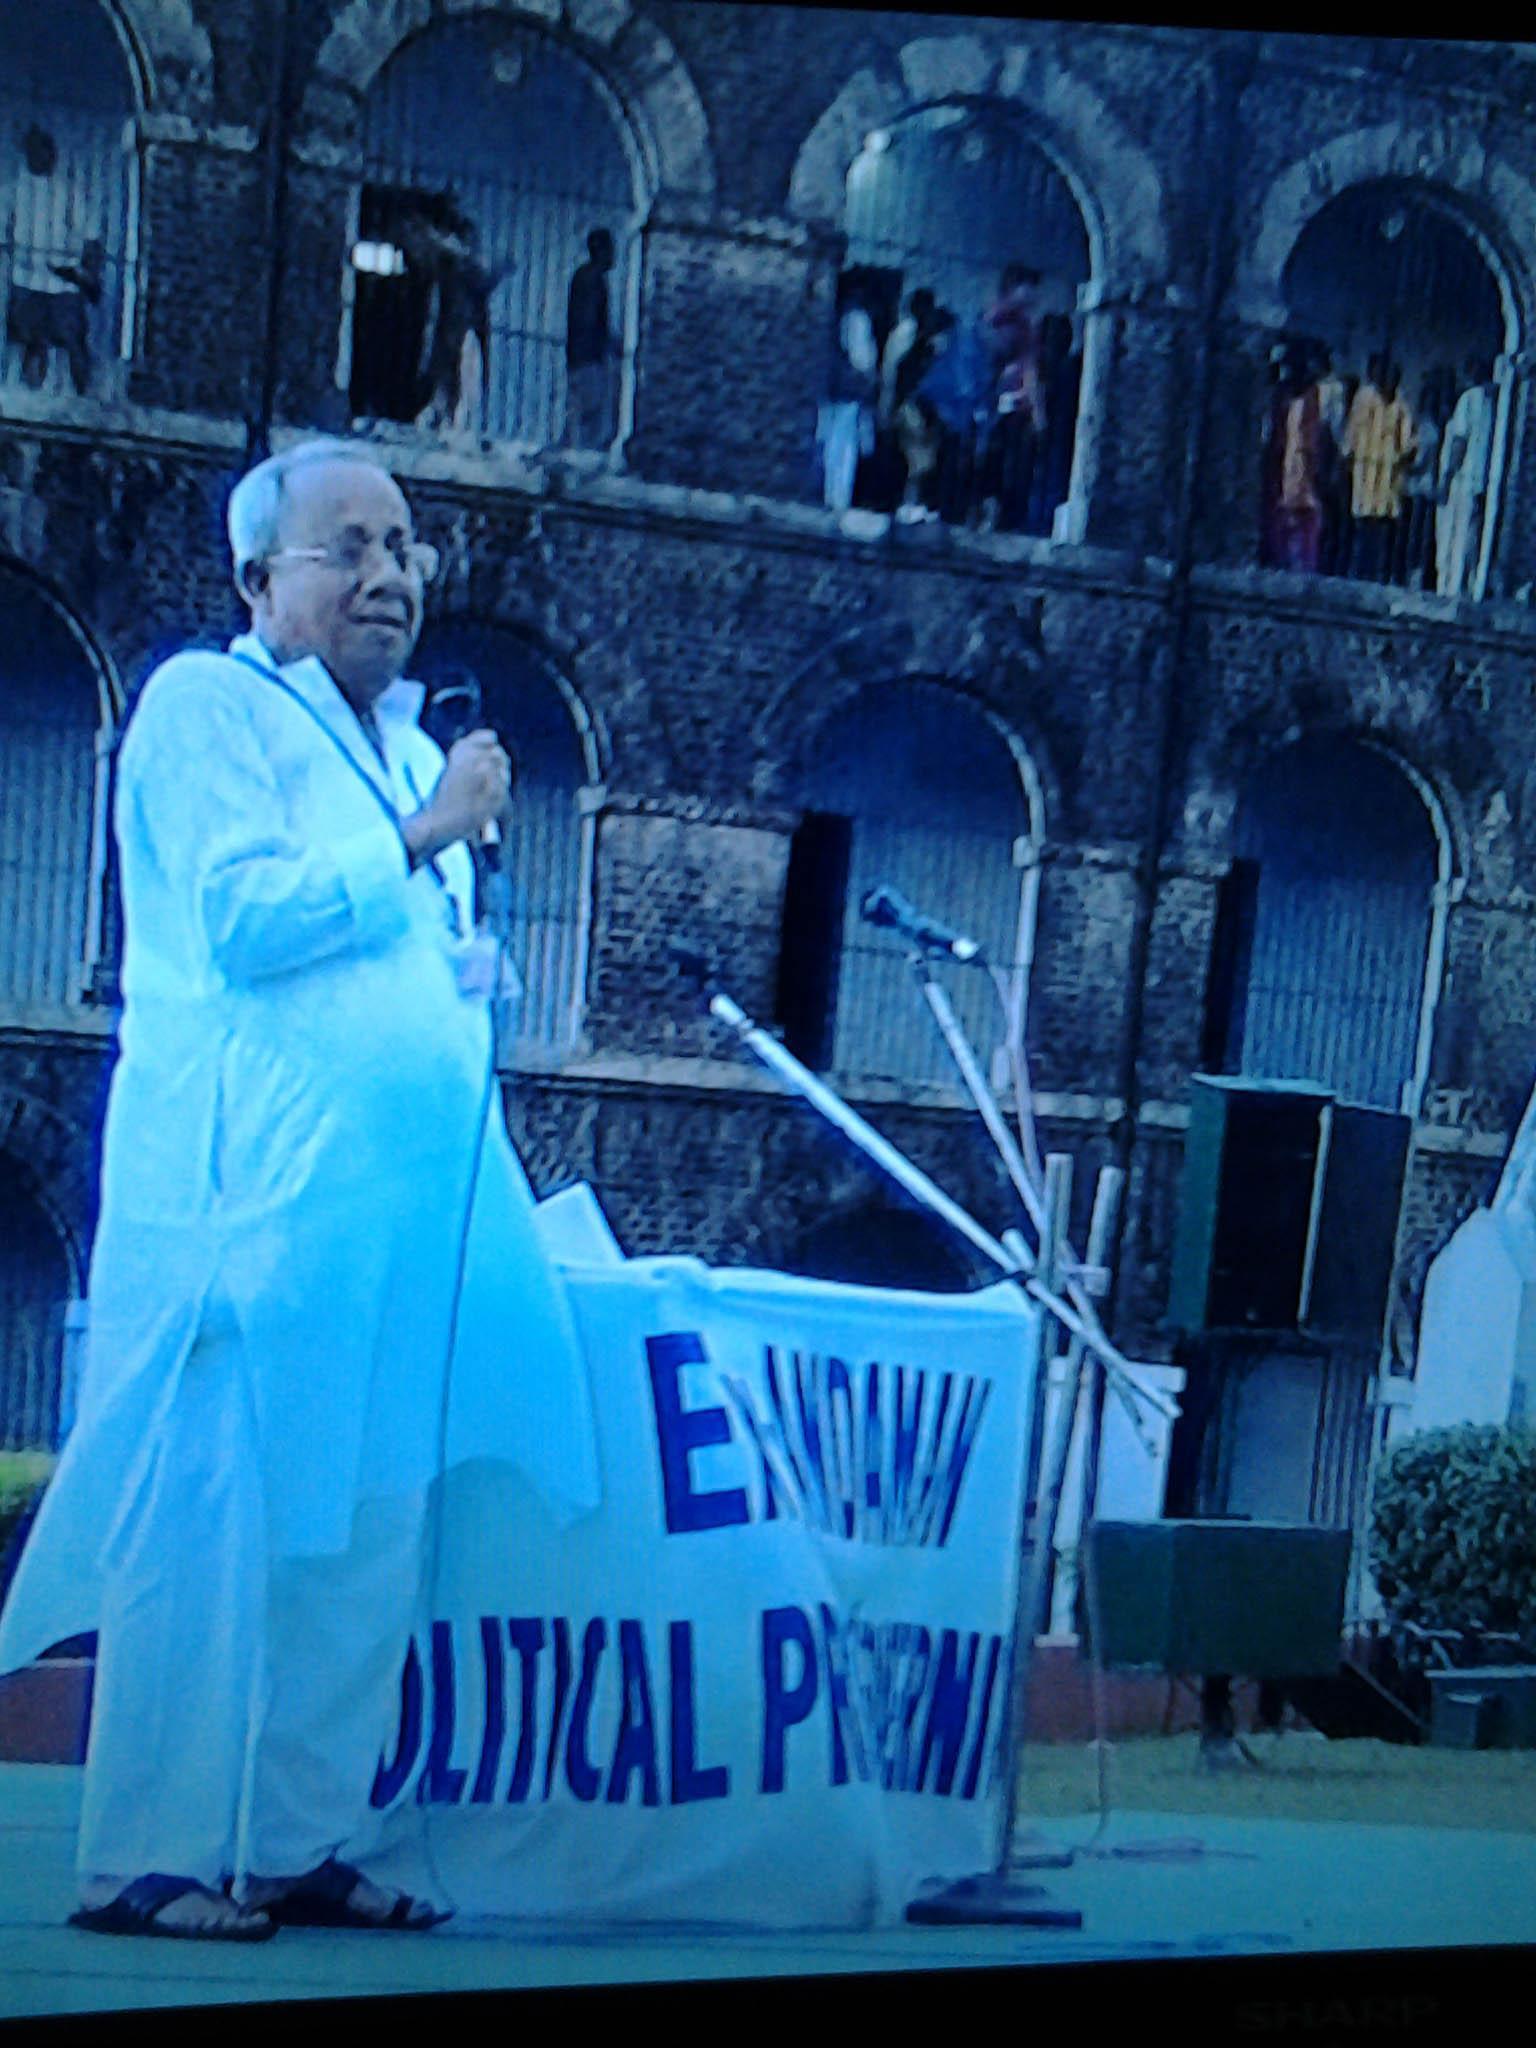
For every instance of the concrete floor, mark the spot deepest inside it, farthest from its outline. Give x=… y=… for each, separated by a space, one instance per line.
x=1163 y=1885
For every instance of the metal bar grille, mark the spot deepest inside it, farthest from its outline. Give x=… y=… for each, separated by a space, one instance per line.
x=491 y=157
x=47 y=776
x=34 y=1291
x=67 y=331
x=546 y=852
x=1388 y=368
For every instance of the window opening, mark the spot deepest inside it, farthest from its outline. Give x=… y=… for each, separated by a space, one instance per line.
x=495 y=244
x=1382 y=416
x=68 y=199
x=50 y=713
x=934 y=808
x=1327 y=920
x=956 y=357
x=546 y=848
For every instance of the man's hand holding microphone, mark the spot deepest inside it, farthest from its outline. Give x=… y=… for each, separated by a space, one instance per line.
x=473 y=793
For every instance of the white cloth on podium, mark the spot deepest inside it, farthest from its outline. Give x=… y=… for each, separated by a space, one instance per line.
x=294 y=1123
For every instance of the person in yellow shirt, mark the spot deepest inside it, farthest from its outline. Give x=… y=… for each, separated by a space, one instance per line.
x=1380 y=442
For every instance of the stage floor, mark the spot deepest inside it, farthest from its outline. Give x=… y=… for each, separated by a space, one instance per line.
x=1193 y=1884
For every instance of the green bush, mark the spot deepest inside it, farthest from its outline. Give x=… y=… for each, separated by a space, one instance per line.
x=1453 y=1529
x=23 y=1475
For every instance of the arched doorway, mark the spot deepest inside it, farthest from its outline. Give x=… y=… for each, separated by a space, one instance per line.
x=492 y=154
x=977 y=418
x=1323 y=928
x=913 y=788
x=549 y=848
x=53 y=727
x=69 y=206
x=1385 y=394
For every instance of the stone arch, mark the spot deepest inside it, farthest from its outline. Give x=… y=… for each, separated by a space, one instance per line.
x=1116 y=184
x=55 y=1158
x=1247 y=768
x=879 y=653
x=170 y=54
x=633 y=58
x=1493 y=203
x=26 y=566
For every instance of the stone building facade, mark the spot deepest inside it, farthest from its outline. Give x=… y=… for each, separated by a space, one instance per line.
x=713 y=632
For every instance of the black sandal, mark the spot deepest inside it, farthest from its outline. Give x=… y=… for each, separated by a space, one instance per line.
x=322 y=1899
x=137 y=1907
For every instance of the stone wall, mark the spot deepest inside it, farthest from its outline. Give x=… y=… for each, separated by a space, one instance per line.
x=709 y=617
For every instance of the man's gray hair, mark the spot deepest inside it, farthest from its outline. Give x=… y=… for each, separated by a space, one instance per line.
x=256 y=503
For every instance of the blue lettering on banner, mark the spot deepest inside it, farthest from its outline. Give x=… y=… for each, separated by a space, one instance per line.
x=583 y=1780
x=392 y=1776
x=869 y=1453
x=679 y=1431
x=979 y=1745
x=949 y=1709
x=440 y=1783
x=494 y=1665
x=527 y=1638
x=689 y=1781
x=843 y=1702
x=635 y=1749
x=562 y=1634
x=840 y=1432
x=906 y=1708
x=784 y=1705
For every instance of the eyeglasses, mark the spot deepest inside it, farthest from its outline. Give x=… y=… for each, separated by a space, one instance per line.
x=349 y=551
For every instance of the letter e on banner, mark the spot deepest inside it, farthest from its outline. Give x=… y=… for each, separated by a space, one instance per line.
x=679 y=1431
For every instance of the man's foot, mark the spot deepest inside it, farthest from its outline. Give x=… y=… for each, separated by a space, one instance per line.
x=175 y=1907
x=338 y=1895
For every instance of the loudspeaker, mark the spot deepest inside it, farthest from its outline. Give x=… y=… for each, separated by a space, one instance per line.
x=1256 y=1599
x=1250 y=1160
x=1287 y=1211
x=1360 y=1172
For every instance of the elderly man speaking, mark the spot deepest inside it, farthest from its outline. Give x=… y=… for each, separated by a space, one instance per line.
x=316 y=1281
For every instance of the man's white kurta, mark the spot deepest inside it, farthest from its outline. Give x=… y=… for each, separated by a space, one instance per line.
x=299 y=1124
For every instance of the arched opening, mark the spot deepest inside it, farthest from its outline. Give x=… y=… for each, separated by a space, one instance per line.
x=1381 y=431
x=494 y=262
x=548 y=850
x=54 y=725
x=957 y=364
x=36 y=1284
x=881 y=1247
x=69 y=199
x=1323 y=927
x=914 y=790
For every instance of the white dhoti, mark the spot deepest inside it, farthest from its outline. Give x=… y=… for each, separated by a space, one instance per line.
x=238 y=1695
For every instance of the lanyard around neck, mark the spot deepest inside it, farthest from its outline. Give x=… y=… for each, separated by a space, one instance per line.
x=385 y=804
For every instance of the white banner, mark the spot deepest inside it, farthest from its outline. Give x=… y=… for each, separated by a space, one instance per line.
x=765 y=1683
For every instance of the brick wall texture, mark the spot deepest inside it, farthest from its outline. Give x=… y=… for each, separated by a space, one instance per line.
x=709 y=617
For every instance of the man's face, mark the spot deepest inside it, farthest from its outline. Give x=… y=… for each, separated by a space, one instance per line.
x=362 y=622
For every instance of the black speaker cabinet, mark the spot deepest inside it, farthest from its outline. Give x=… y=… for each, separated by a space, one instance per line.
x=1255 y=1599
x=1288 y=1210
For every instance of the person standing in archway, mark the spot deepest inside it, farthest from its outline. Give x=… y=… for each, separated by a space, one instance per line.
x=1466 y=453
x=592 y=350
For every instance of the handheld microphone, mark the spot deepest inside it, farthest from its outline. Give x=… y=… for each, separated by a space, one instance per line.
x=459 y=708
x=888 y=907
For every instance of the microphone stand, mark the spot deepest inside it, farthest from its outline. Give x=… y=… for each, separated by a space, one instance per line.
x=979 y=1898
x=994 y=1897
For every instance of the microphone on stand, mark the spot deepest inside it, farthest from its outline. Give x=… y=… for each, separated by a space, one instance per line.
x=888 y=907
